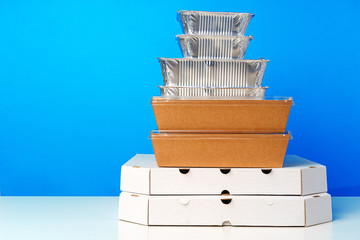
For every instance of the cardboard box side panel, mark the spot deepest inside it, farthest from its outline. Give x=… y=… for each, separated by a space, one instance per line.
x=278 y=182
x=318 y=209
x=133 y=208
x=132 y=231
x=227 y=153
x=241 y=211
x=182 y=210
x=171 y=181
x=135 y=179
x=256 y=118
x=273 y=211
x=314 y=180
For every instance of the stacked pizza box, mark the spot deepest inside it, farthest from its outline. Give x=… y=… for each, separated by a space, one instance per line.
x=221 y=143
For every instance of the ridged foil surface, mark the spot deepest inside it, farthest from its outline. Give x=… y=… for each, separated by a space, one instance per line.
x=214 y=23
x=213 y=47
x=212 y=73
x=211 y=92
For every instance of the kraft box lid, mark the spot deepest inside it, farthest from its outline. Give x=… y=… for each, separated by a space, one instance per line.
x=212 y=210
x=298 y=177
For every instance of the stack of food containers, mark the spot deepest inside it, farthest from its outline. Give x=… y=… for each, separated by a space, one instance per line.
x=213 y=114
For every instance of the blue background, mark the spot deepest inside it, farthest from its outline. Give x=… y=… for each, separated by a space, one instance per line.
x=76 y=79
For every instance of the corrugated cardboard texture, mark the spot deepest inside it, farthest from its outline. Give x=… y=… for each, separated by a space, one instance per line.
x=237 y=116
x=220 y=150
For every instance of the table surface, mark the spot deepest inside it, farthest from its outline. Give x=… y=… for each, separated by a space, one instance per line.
x=96 y=218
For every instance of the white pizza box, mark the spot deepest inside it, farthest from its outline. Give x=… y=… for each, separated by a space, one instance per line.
x=213 y=210
x=298 y=177
x=128 y=230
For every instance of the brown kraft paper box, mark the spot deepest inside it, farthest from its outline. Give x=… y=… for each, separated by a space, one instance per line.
x=222 y=116
x=219 y=150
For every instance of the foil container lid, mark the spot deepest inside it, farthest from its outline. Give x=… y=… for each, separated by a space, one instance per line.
x=211 y=92
x=214 y=23
x=212 y=73
x=213 y=47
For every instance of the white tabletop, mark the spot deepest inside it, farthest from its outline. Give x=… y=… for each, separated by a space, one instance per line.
x=96 y=218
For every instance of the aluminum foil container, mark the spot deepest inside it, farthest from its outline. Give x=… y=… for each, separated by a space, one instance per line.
x=214 y=23
x=188 y=72
x=213 y=47
x=211 y=92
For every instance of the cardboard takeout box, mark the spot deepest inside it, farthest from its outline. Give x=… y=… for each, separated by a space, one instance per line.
x=219 y=150
x=298 y=176
x=225 y=210
x=256 y=115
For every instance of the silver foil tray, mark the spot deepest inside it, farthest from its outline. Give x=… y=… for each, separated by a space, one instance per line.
x=213 y=47
x=212 y=73
x=211 y=92
x=214 y=23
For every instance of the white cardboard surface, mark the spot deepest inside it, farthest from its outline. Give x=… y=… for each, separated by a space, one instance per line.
x=298 y=177
x=134 y=208
x=210 y=210
x=129 y=230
